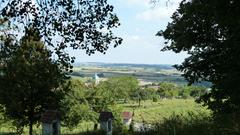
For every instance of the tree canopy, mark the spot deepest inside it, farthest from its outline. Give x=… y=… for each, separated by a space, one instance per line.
x=120 y=87
x=79 y=24
x=85 y=102
x=31 y=81
x=76 y=105
x=208 y=30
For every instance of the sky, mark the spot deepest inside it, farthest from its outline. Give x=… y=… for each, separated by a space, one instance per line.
x=140 y=21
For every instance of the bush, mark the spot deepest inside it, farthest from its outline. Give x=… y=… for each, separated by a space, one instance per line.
x=228 y=123
x=155 y=99
x=189 y=124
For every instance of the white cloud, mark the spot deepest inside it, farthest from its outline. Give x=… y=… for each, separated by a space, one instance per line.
x=163 y=10
x=135 y=37
x=138 y=2
x=146 y=41
x=156 y=14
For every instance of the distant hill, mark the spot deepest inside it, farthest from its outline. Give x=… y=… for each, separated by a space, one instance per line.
x=146 y=72
x=124 y=65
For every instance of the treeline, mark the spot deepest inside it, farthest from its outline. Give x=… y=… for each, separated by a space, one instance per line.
x=166 y=90
x=128 y=88
x=171 y=90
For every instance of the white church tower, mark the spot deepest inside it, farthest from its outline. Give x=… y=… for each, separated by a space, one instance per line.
x=96 y=79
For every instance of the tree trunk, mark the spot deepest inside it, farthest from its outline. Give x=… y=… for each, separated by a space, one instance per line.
x=95 y=126
x=30 y=127
x=139 y=102
x=31 y=121
x=31 y=113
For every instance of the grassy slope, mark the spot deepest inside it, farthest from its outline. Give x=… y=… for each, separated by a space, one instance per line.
x=155 y=111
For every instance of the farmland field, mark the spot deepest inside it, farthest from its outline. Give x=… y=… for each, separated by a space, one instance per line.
x=143 y=72
x=151 y=112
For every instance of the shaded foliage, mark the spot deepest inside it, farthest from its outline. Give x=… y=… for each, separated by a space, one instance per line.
x=209 y=32
x=192 y=91
x=31 y=81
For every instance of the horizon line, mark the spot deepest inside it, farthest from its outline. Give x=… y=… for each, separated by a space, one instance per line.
x=124 y=63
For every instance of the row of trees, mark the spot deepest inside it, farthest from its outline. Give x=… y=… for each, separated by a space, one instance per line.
x=170 y=90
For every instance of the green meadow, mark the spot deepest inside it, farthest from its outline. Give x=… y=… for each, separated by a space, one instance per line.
x=152 y=112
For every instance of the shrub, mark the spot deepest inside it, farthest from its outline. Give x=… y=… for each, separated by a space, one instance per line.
x=189 y=124
x=155 y=99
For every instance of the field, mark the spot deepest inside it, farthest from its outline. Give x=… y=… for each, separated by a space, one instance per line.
x=148 y=112
x=151 y=112
x=145 y=73
x=148 y=73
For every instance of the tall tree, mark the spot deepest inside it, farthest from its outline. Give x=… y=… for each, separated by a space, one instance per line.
x=31 y=81
x=209 y=31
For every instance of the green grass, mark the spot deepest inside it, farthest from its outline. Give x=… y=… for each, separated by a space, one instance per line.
x=151 y=112
x=7 y=129
x=82 y=127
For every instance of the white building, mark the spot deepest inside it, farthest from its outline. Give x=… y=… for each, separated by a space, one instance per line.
x=127 y=118
x=96 y=79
